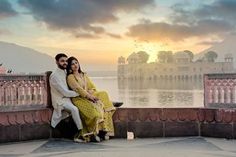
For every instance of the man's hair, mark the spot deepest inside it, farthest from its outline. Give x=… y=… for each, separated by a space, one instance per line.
x=58 y=56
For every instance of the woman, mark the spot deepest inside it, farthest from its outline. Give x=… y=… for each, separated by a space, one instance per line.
x=95 y=107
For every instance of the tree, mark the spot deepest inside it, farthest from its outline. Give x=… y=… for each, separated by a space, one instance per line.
x=143 y=56
x=161 y=56
x=165 y=56
x=211 y=56
x=190 y=53
x=169 y=56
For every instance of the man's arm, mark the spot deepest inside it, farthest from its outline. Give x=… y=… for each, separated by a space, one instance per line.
x=57 y=84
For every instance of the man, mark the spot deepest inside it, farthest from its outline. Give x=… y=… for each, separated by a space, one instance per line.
x=61 y=95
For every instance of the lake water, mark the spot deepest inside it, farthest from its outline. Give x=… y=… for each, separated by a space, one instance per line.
x=152 y=93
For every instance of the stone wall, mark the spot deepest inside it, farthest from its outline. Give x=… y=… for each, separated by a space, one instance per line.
x=144 y=122
x=174 y=122
x=25 y=125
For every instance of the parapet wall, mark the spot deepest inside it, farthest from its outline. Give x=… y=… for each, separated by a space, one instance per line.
x=174 y=122
x=25 y=125
x=143 y=122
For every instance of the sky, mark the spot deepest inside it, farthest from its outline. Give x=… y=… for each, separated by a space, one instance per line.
x=97 y=32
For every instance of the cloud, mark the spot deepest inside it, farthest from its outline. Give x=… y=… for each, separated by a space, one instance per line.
x=217 y=18
x=209 y=42
x=218 y=9
x=161 y=31
x=85 y=35
x=6 y=9
x=81 y=16
x=114 y=35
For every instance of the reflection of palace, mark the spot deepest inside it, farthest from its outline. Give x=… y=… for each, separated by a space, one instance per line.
x=181 y=68
x=160 y=84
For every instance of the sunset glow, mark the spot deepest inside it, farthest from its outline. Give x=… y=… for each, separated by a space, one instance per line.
x=110 y=29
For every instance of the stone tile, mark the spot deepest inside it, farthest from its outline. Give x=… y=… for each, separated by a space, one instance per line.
x=120 y=129
x=170 y=114
x=2 y=133
x=35 y=131
x=190 y=143
x=20 y=118
x=59 y=145
x=155 y=114
x=201 y=115
x=234 y=116
x=45 y=116
x=146 y=129
x=173 y=129
x=12 y=118
x=4 y=119
x=28 y=117
x=133 y=114
x=217 y=130
x=121 y=115
x=66 y=129
x=36 y=117
x=224 y=144
x=15 y=149
x=144 y=114
x=224 y=116
x=151 y=147
x=56 y=133
x=188 y=114
x=209 y=115
x=234 y=130
x=9 y=133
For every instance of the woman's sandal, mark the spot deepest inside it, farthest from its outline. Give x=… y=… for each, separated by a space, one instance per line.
x=95 y=138
x=79 y=140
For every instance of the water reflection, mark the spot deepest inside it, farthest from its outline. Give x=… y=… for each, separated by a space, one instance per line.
x=153 y=93
x=160 y=84
x=161 y=93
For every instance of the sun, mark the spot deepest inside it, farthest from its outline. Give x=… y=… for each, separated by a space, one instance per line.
x=150 y=48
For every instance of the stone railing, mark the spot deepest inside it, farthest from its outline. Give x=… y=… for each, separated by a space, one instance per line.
x=220 y=90
x=25 y=112
x=21 y=92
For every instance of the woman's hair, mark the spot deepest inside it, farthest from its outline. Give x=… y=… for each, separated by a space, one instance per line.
x=68 y=69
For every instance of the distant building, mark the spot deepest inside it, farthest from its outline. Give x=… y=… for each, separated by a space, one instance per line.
x=2 y=70
x=181 y=57
x=180 y=69
x=121 y=60
x=133 y=58
x=229 y=57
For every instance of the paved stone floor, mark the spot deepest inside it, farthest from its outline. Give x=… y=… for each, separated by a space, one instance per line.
x=149 y=147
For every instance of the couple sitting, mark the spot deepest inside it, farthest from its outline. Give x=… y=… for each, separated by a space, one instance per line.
x=73 y=92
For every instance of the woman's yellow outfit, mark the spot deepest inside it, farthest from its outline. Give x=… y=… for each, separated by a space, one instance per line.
x=95 y=116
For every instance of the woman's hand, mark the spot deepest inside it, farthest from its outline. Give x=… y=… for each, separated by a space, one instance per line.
x=92 y=98
x=91 y=91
